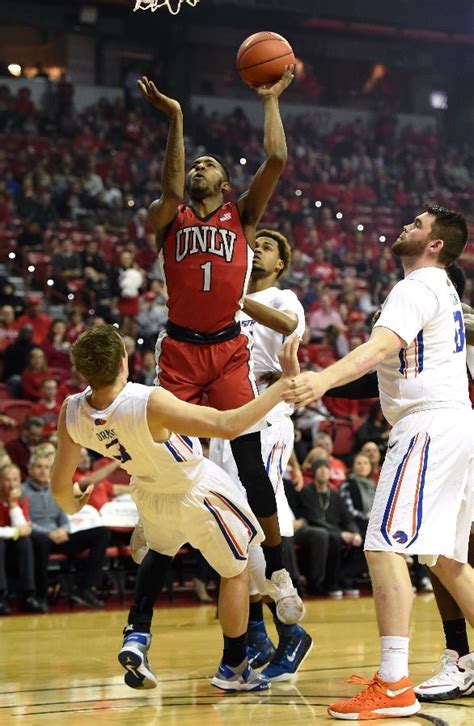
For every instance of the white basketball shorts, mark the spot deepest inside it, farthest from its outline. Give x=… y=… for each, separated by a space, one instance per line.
x=424 y=502
x=213 y=516
x=277 y=445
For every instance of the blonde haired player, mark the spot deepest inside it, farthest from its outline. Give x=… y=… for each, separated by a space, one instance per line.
x=424 y=499
x=181 y=497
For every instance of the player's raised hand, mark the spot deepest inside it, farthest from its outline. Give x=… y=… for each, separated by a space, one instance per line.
x=278 y=87
x=288 y=357
x=157 y=99
x=305 y=388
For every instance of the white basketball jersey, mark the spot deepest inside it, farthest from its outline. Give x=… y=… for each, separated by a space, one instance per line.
x=267 y=342
x=425 y=311
x=121 y=432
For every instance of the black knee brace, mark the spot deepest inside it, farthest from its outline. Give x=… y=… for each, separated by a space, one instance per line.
x=247 y=451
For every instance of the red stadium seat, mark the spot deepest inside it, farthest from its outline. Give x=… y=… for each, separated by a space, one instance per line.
x=17 y=409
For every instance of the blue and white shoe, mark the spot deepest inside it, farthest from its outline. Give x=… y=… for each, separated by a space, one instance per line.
x=239 y=678
x=290 y=654
x=260 y=649
x=134 y=658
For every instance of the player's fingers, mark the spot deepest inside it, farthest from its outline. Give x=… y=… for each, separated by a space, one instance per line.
x=154 y=89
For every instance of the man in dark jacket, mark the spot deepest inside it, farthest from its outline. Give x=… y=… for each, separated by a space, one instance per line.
x=326 y=527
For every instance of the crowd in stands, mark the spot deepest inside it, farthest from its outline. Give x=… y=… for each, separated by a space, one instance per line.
x=76 y=249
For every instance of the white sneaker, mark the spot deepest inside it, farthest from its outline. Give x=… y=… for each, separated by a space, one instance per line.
x=138 y=545
x=453 y=679
x=289 y=606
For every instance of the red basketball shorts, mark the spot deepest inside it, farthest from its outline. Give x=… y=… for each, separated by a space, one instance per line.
x=219 y=374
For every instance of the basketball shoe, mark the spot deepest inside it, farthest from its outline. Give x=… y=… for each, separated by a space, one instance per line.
x=134 y=658
x=454 y=678
x=260 y=649
x=291 y=652
x=289 y=606
x=381 y=699
x=239 y=678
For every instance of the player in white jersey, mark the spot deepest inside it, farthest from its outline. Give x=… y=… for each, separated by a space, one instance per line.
x=181 y=497
x=424 y=499
x=269 y=315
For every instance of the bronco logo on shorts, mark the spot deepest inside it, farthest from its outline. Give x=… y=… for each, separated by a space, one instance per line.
x=400 y=537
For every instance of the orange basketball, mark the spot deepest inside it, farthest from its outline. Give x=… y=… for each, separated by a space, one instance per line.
x=262 y=57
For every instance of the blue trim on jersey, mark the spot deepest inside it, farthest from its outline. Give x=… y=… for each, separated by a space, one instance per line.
x=239 y=513
x=419 y=509
x=176 y=455
x=222 y=529
x=421 y=350
x=403 y=366
x=188 y=440
x=269 y=460
x=383 y=527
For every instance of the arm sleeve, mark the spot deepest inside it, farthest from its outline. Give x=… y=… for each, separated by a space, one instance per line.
x=287 y=300
x=364 y=387
x=17 y=518
x=8 y=532
x=408 y=309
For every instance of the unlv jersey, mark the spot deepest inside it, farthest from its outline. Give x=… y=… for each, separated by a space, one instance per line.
x=207 y=264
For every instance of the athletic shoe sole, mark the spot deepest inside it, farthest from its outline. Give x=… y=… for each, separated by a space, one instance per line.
x=234 y=686
x=137 y=675
x=394 y=712
x=445 y=695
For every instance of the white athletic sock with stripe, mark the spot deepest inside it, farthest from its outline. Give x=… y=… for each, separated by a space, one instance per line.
x=393 y=657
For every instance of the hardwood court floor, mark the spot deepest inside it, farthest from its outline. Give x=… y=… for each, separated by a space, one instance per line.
x=62 y=669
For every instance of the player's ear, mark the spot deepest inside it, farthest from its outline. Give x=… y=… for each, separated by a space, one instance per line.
x=279 y=265
x=225 y=187
x=436 y=245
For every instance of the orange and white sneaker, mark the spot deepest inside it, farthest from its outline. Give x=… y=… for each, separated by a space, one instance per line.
x=381 y=699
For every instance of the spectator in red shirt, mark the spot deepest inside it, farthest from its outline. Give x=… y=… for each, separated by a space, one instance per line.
x=34 y=374
x=57 y=346
x=48 y=406
x=15 y=541
x=40 y=322
x=8 y=327
x=323 y=317
x=104 y=491
x=75 y=324
x=75 y=383
x=373 y=453
x=19 y=450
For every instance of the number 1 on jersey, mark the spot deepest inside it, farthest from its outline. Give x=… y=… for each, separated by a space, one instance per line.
x=206 y=286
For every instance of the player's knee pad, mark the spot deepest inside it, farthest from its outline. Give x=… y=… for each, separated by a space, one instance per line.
x=256 y=570
x=247 y=453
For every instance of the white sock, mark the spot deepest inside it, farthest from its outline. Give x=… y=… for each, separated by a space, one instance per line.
x=393 y=658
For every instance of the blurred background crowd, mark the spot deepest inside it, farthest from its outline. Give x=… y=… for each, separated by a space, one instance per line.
x=367 y=146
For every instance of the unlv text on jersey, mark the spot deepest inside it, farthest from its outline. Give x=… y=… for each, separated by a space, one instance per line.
x=205 y=238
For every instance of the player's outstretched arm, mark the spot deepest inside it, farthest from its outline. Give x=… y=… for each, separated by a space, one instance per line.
x=309 y=386
x=167 y=413
x=253 y=203
x=163 y=210
x=281 y=321
x=64 y=465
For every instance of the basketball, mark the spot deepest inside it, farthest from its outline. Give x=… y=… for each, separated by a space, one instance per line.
x=262 y=57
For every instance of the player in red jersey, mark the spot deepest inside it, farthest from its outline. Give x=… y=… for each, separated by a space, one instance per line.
x=206 y=248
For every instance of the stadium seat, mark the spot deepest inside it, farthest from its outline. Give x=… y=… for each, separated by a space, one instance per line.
x=17 y=409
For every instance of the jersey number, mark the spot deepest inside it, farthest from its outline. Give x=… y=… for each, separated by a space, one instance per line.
x=206 y=285
x=459 y=335
x=123 y=455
